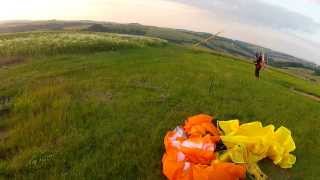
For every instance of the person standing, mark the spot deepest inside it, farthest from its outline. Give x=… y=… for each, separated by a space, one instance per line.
x=258 y=64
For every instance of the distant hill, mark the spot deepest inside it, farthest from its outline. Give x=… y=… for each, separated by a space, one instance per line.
x=179 y=36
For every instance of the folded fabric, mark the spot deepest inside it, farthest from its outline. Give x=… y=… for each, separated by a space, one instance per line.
x=259 y=142
x=190 y=153
x=200 y=150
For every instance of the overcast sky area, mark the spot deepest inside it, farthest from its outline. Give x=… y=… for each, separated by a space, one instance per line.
x=290 y=26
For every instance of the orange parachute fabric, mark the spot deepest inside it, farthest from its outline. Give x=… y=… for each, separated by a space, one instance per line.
x=200 y=125
x=190 y=153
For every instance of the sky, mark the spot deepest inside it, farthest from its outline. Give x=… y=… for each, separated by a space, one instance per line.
x=290 y=26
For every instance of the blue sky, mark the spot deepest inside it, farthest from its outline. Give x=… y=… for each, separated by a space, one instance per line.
x=290 y=26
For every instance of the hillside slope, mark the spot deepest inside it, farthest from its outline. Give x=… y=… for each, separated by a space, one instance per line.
x=104 y=115
x=179 y=36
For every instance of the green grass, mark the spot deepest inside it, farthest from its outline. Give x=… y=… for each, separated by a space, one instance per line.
x=104 y=115
x=307 y=74
x=54 y=43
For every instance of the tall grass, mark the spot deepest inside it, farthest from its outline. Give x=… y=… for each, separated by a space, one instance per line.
x=104 y=115
x=54 y=43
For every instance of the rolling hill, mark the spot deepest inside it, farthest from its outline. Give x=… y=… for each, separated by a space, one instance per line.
x=179 y=36
x=103 y=113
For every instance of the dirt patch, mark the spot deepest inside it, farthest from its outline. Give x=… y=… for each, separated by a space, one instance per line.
x=4 y=105
x=11 y=61
x=4 y=99
x=3 y=134
x=4 y=110
x=103 y=97
x=311 y=96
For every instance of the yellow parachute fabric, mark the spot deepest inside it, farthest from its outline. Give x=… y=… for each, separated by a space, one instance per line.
x=251 y=142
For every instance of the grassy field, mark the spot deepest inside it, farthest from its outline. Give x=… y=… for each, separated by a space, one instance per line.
x=304 y=73
x=103 y=115
x=55 y=43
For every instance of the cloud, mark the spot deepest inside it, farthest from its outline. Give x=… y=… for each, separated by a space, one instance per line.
x=260 y=23
x=257 y=13
x=314 y=1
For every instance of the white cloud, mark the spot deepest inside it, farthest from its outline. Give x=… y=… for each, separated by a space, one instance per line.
x=263 y=24
x=43 y=9
x=257 y=13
